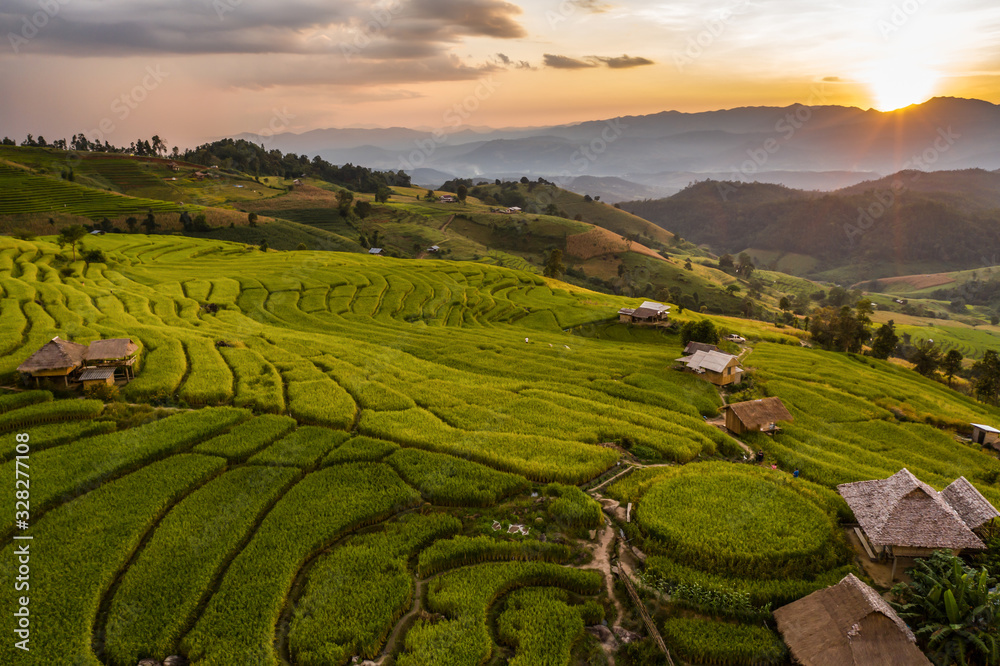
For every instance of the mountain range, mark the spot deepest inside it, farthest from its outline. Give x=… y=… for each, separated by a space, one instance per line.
x=810 y=147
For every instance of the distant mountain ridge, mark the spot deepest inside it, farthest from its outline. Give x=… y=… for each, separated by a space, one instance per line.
x=770 y=144
x=910 y=222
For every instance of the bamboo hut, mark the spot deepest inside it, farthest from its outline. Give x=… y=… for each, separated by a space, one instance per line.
x=756 y=415
x=904 y=517
x=847 y=623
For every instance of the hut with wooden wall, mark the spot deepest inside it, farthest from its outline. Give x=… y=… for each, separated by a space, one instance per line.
x=719 y=368
x=57 y=360
x=756 y=415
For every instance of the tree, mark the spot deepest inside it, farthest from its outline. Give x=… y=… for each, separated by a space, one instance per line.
x=687 y=265
x=733 y=289
x=382 y=194
x=553 y=265
x=987 y=374
x=301 y=246
x=699 y=331
x=926 y=358
x=263 y=246
x=951 y=364
x=430 y=195
x=71 y=235
x=252 y=219
x=745 y=266
x=131 y=224
x=462 y=193
x=587 y=198
x=784 y=304
x=953 y=609
x=726 y=261
x=885 y=340
x=150 y=223
x=363 y=209
x=344 y=200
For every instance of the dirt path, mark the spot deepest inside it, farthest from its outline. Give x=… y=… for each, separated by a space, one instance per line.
x=447 y=222
x=390 y=644
x=602 y=562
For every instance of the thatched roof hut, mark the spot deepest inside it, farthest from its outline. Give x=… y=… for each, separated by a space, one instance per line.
x=847 y=623
x=112 y=349
x=754 y=415
x=905 y=516
x=56 y=358
x=974 y=509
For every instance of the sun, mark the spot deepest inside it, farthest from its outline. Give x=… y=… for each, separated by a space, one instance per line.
x=897 y=84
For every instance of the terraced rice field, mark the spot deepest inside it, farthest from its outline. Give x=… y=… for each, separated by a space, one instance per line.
x=350 y=427
x=22 y=192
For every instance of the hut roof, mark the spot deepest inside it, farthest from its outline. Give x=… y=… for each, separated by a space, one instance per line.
x=708 y=360
x=55 y=354
x=112 y=348
x=985 y=428
x=755 y=413
x=904 y=511
x=693 y=347
x=91 y=374
x=847 y=623
x=974 y=509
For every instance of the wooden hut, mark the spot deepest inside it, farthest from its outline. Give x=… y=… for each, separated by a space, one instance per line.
x=719 y=368
x=649 y=314
x=56 y=359
x=904 y=517
x=115 y=353
x=847 y=623
x=986 y=435
x=756 y=415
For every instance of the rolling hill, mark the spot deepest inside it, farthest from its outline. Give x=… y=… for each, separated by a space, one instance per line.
x=907 y=223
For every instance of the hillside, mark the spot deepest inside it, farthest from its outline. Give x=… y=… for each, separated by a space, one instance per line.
x=335 y=391
x=911 y=222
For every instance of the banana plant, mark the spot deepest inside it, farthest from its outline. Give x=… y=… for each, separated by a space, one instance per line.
x=953 y=609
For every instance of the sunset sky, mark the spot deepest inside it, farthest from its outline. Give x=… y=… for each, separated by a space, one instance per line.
x=195 y=70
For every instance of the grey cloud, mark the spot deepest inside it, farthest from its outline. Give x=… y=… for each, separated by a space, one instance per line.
x=406 y=29
x=619 y=62
x=624 y=62
x=565 y=62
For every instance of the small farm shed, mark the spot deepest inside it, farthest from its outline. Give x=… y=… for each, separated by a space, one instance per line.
x=114 y=353
x=57 y=358
x=904 y=517
x=377 y=251
x=847 y=623
x=719 y=368
x=756 y=415
x=447 y=198
x=695 y=347
x=92 y=377
x=60 y=358
x=986 y=435
x=649 y=313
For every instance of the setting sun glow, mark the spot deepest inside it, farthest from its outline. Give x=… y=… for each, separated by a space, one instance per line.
x=897 y=84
